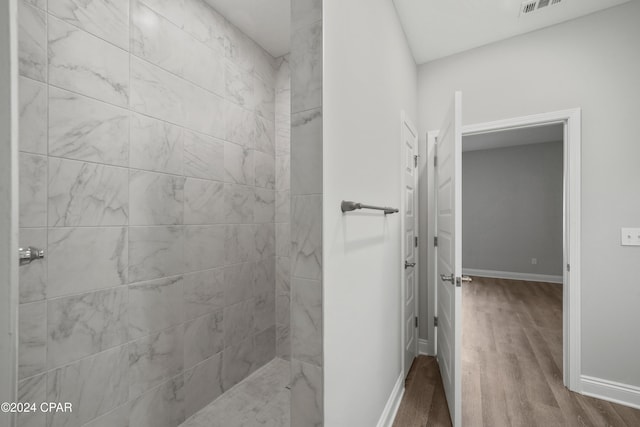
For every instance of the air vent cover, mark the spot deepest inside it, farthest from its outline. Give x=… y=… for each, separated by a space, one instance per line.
x=531 y=6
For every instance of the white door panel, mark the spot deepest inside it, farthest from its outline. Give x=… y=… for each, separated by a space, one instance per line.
x=449 y=257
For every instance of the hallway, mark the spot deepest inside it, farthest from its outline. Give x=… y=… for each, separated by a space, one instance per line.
x=512 y=365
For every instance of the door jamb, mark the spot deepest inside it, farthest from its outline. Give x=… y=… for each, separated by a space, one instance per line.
x=571 y=228
x=405 y=120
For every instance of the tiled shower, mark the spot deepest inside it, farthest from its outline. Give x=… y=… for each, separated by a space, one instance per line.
x=154 y=170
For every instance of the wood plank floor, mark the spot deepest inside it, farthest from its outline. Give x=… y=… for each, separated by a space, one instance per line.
x=511 y=366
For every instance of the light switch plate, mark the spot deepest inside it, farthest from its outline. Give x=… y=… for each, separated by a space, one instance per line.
x=630 y=237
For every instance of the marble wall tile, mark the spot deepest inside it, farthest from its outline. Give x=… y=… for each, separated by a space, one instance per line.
x=283 y=309
x=32 y=42
x=82 y=128
x=156 y=199
x=305 y=12
x=155 y=252
x=203 y=384
x=162 y=406
x=265 y=170
x=237 y=363
x=203 y=247
x=306 y=236
x=265 y=97
x=283 y=206
x=203 y=201
x=283 y=341
x=99 y=259
x=264 y=311
x=156 y=92
x=32 y=339
x=238 y=322
x=283 y=239
x=241 y=125
x=204 y=292
x=118 y=417
x=33 y=115
x=306 y=321
x=239 y=86
x=32 y=389
x=173 y=10
x=264 y=209
x=33 y=190
x=306 y=395
x=33 y=277
x=87 y=194
x=155 y=305
x=238 y=164
x=203 y=337
x=265 y=66
x=155 y=358
x=82 y=325
x=93 y=385
x=265 y=346
x=156 y=145
x=241 y=49
x=239 y=243
x=205 y=24
x=159 y=41
x=283 y=276
x=238 y=282
x=108 y=20
x=86 y=64
x=283 y=170
x=283 y=136
x=306 y=152
x=203 y=157
x=265 y=135
x=41 y=4
x=239 y=203
x=265 y=242
x=204 y=111
x=264 y=276
x=306 y=61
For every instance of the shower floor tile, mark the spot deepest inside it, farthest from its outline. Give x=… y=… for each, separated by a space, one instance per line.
x=262 y=399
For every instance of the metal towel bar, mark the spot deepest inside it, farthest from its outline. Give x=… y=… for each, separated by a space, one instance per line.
x=347 y=206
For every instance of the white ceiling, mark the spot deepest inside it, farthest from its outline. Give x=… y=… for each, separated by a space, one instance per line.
x=267 y=22
x=438 y=28
x=513 y=137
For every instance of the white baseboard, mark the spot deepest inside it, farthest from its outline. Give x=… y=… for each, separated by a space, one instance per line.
x=423 y=347
x=391 y=408
x=611 y=391
x=512 y=275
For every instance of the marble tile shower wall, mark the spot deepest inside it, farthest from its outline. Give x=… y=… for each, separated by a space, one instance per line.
x=147 y=171
x=283 y=207
x=307 y=406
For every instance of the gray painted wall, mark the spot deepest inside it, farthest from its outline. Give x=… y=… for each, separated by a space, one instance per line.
x=592 y=63
x=512 y=209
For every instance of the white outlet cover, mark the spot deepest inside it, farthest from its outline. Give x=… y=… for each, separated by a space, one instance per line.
x=630 y=237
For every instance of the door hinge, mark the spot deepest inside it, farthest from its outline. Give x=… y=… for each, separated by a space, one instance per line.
x=435 y=321
x=435 y=161
x=435 y=241
x=416 y=321
x=415 y=160
x=568 y=267
x=415 y=241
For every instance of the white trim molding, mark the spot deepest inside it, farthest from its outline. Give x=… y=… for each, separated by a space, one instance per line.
x=512 y=275
x=423 y=348
x=393 y=403
x=611 y=391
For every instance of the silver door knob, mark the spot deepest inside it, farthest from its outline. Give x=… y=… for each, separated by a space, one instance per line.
x=30 y=254
x=467 y=279
x=450 y=278
x=409 y=264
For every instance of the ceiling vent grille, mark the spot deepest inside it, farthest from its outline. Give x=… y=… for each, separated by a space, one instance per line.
x=531 y=6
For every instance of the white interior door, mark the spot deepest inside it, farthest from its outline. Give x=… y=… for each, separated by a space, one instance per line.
x=409 y=242
x=449 y=256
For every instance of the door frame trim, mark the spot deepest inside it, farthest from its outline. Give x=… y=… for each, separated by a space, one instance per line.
x=406 y=121
x=572 y=228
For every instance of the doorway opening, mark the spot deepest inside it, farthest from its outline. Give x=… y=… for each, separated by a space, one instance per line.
x=569 y=120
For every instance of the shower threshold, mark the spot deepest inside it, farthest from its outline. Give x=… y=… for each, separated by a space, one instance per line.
x=261 y=399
